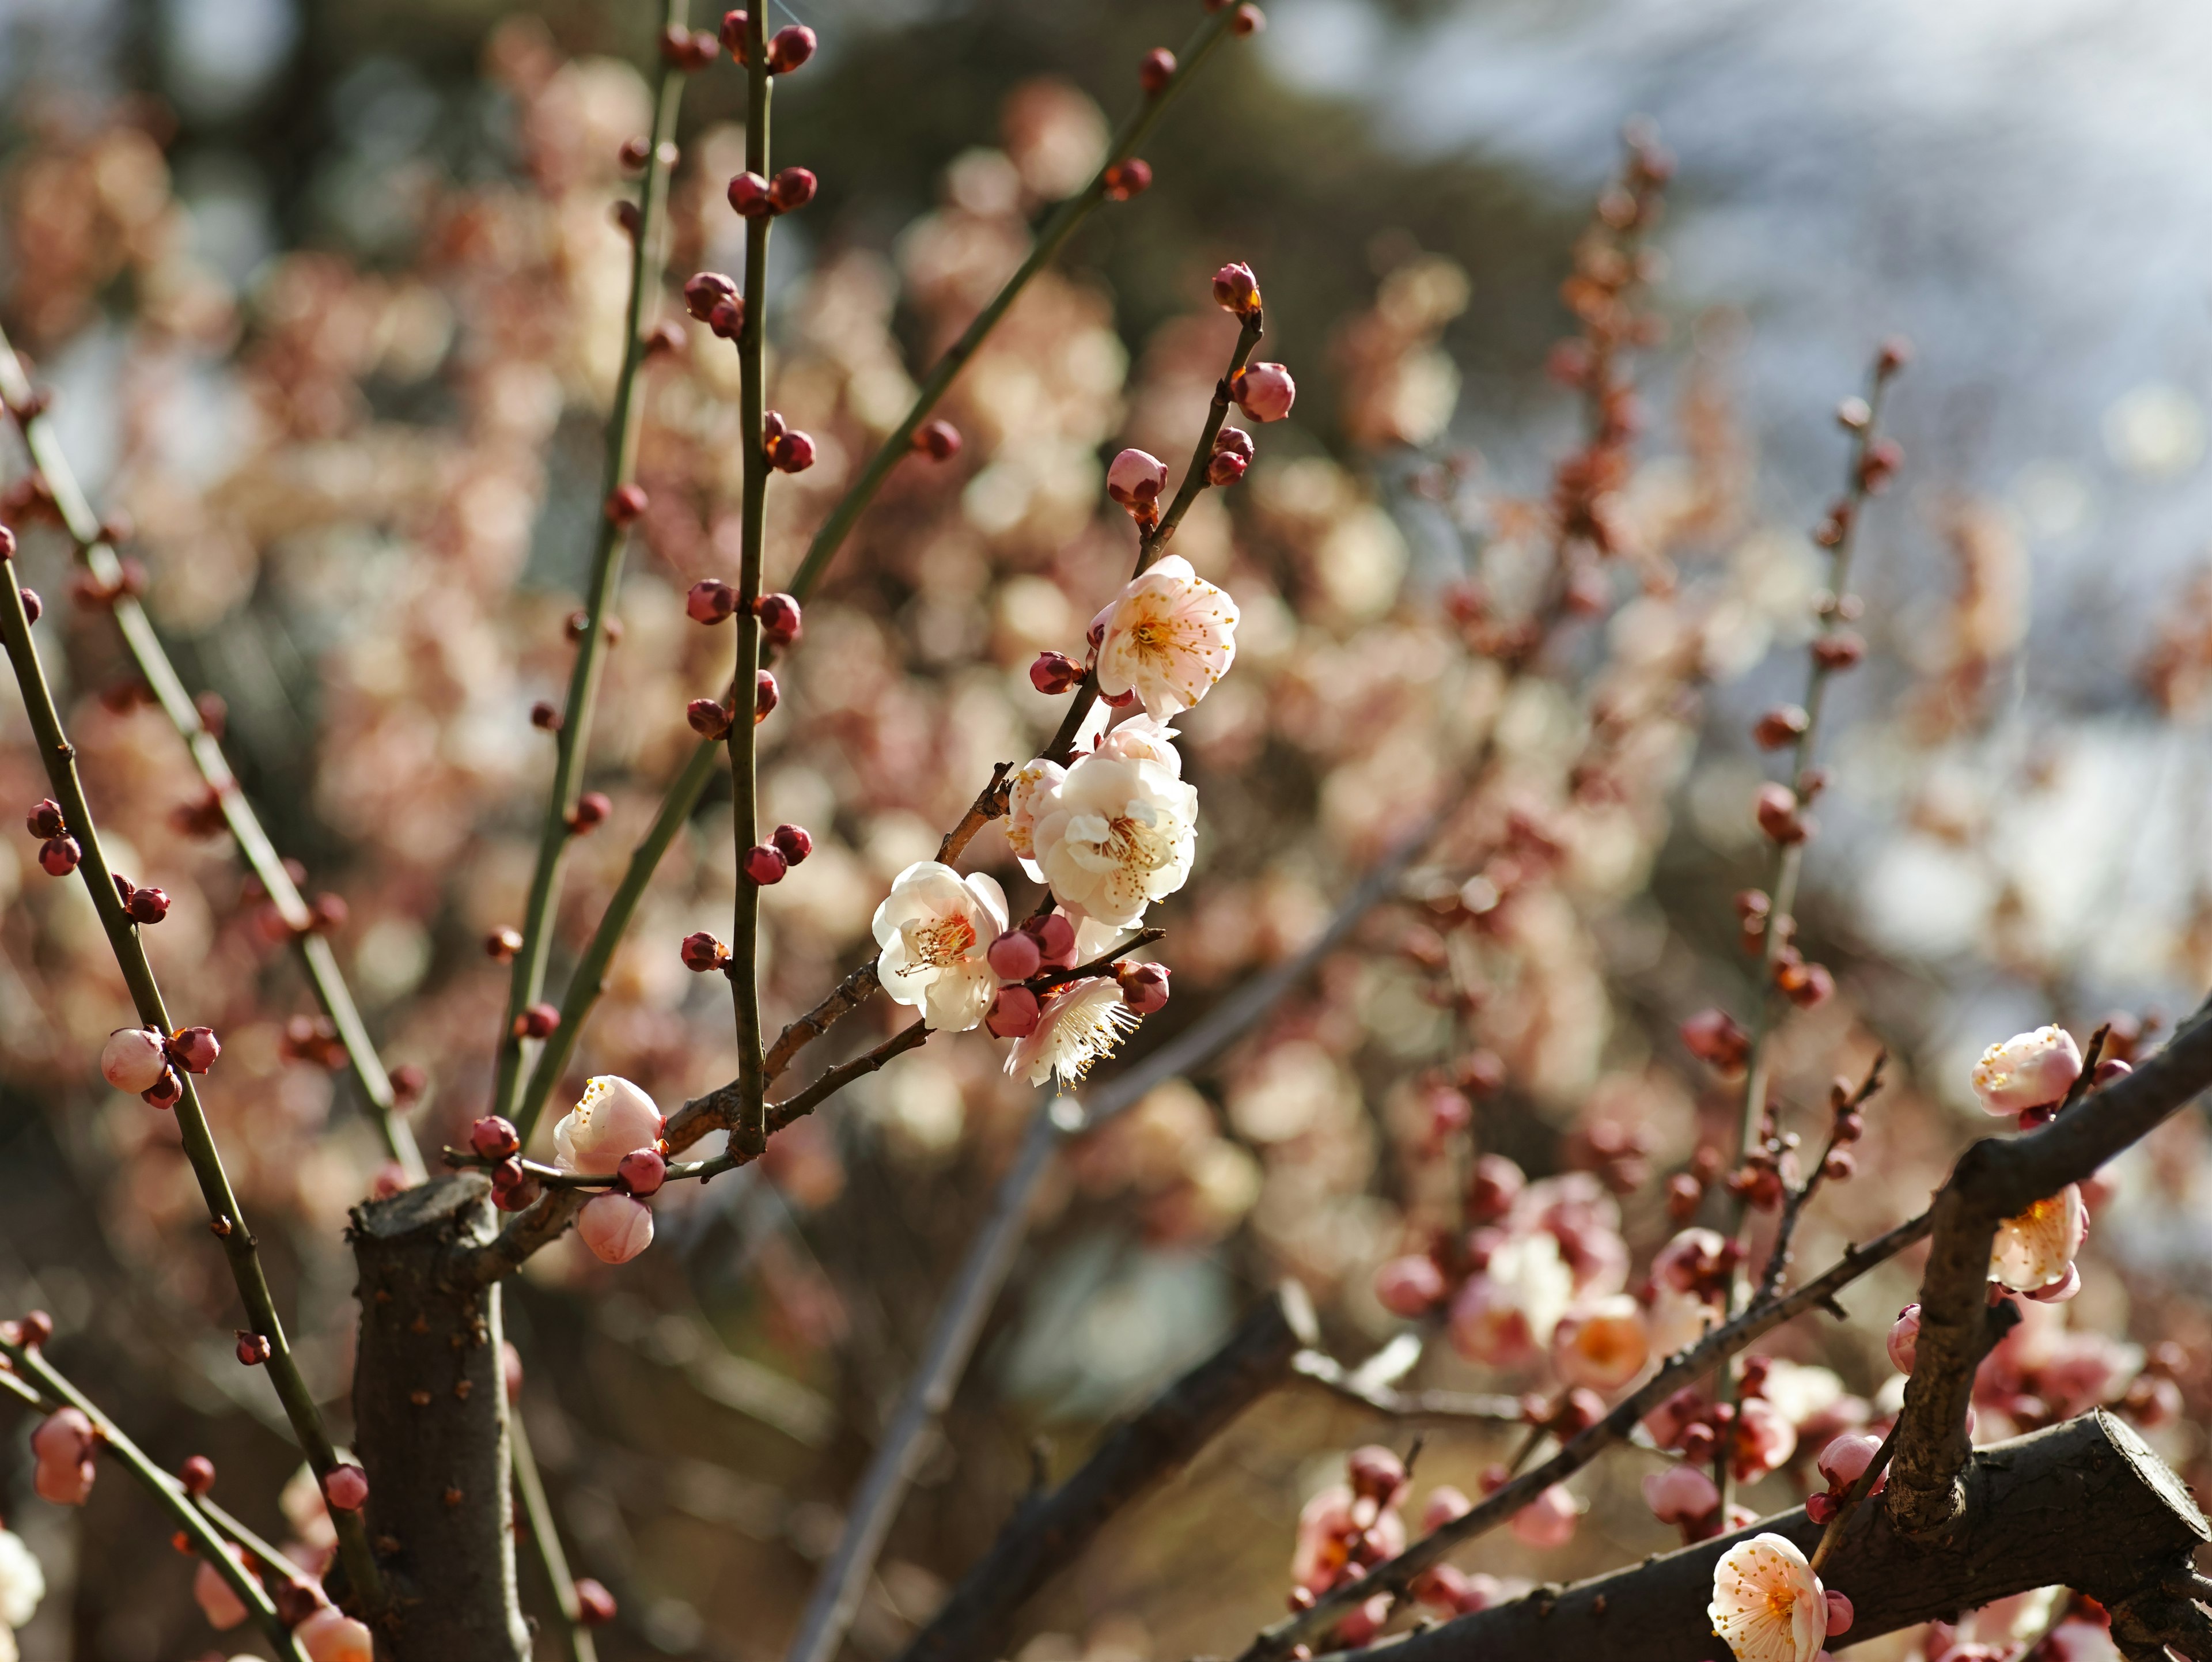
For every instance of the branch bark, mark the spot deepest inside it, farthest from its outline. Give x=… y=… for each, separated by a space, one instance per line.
x=2085 y=1505
x=430 y=1415
x=1046 y=1533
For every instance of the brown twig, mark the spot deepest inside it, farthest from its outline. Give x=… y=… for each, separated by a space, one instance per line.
x=1319 y=1368
x=1795 y=1201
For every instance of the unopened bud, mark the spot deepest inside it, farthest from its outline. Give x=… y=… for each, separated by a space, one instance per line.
x=133 y=1059
x=1013 y=1014
x=503 y=945
x=763 y=865
x=633 y=153
x=766 y=695
x=545 y=716
x=495 y=1138
x=1777 y=811
x=1247 y=21
x=32 y=606
x=701 y=953
x=748 y=196
x=792 y=189
x=346 y=1487
x=625 y=504
x=539 y=1021
x=1155 y=69
x=735 y=24
x=792 y=454
x=709 y=718
x=1143 y=986
x=789 y=48
x=710 y=601
x=1124 y=179
x=46 y=819
x=590 y=812
x=1783 y=725
x=779 y=618
x=58 y=855
x=519 y=1197
x=148 y=905
x=1055 y=673
x=792 y=843
x=643 y=1169
x=1236 y=289
x=197 y=1475
x=595 y=1605
x=194 y=1049
x=1015 y=956
x=938 y=439
x=252 y=1348
x=1265 y=391
x=1839 y=649
x=1852 y=414
x=706 y=290
x=166 y=1092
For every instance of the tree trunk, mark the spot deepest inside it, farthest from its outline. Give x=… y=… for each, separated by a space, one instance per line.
x=430 y=1427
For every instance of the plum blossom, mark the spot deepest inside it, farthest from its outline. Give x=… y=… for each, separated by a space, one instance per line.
x=1028 y=792
x=1169 y=636
x=609 y=1119
x=1116 y=833
x=2036 y=1249
x=1548 y=1520
x=22 y=1585
x=1764 y=1439
x=1076 y=1025
x=1410 y=1285
x=936 y=929
x=331 y=1636
x=616 y=1227
x=133 y=1059
x=1505 y=1314
x=1767 y=1605
x=1602 y=1344
x=2028 y=1070
x=63 y=1446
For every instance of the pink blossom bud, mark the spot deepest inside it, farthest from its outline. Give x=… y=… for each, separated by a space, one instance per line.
x=710 y=601
x=1124 y=179
x=591 y=811
x=223 y=1609
x=166 y=1093
x=616 y=1227
x=625 y=504
x=1764 y=1439
x=792 y=454
x=148 y=906
x=727 y=319
x=708 y=717
x=763 y=865
x=1685 y=1494
x=2110 y=1068
x=1015 y=956
x=1496 y=1184
x=64 y=1438
x=133 y=1059
x=2028 y=1070
x=254 y=1349
x=1410 y=1286
x=520 y=1199
x=194 y=1049
x=792 y=190
x=595 y=1605
x=1248 y=20
x=643 y=1169
x=510 y=1370
x=1055 y=673
x=1236 y=289
x=1839 y=1611
x=494 y=1137
x=779 y=618
x=1014 y=1012
x=766 y=695
x=938 y=440
x=1777 y=811
x=44 y=820
x=749 y=196
x=1783 y=725
x=331 y=1636
x=789 y=48
x=1839 y=649
x=1233 y=451
x=1144 y=987
x=1135 y=480
x=508 y=1173
x=1056 y=938
x=65 y=1482
x=1265 y=391
x=792 y=843
x=1549 y=1519
x=32 y=606
x=545 y=716
x=1845 y=1459
x=1377 y=1474
x=540 y=1020
x=733 y=34
x=346 y=1487
x=58 y=855
x=1445 y=1505
x=706 y=290
x=197 y=1475
x=1714 y=1037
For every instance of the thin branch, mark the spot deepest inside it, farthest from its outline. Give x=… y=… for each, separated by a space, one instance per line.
x=1395 y=1575
x=226 y=1217
x=1795 y=1203
x=1861 y=1487
x=547 y=1534
x=1051 y=237
x=30 y=1367
x=573 y=741
x=1317 y=1367
x=260 y=855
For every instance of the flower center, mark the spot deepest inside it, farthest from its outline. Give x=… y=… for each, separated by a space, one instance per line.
x=1782 y=1604
x=941 y=944
x=1131 y=842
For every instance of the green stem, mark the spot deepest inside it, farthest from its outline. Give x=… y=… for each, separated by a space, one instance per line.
x=752 y=1130
x=573 y=739
x=539 y=1511
x=1064 y=222
x=99 y=559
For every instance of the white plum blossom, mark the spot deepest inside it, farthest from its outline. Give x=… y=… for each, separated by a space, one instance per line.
x=2028 y=1070
x=936 y=929
x=1169 y=636
x=2036 y=1249
x=1029 y=793
x=613 y=1117
x=1116 y=832
x=1767 y=1605
x=22 y=1584
x=1505 y=1313
x=1602 y=1344
x=1075 y=1027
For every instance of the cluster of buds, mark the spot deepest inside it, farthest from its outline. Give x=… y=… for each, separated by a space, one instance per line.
x=787 y=48
x=688 y=50
x=939 y=440
x=753 y=198
x=147 y=905
x=1232 y=453
x=787 y=449
x=1843 y=1463
x=141 y=1059
x=714 y=300
x=1017 y=956
x=1758 y=1436
x=1347 y=1529
x=766 y=862
x=495 y=1140
x=59 y=852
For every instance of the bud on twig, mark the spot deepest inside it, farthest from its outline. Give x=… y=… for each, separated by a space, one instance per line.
x=493 y=1136
x=1155 y=69
x=733 y=34
x=503 y=944
x=763 y=865
x=1777 y=814
x=590 y=812
x=1785 y=724
x=1233 y=450
x=633 y=153
x=1236 y=289
x=789 y=48
x=765 y=695
x=625 y=504
x=252 y=1349
x=1013 y=1014
x=194 y=1049
x=792 y=189
x=781 y=619
x=544 y=717
x=794 y=452
x=1055 y=673
x=1840 y=650
x=1143 y=986
x=197 y=1475
x=749 y=198
x=1127 y=179
x=938 y=440
x=58 y=855
x=46 y=819
x=709 y=718
x=710 y=601
x=792 y=843
x=701 y=953
x=539 y=1021
x=1265 y=391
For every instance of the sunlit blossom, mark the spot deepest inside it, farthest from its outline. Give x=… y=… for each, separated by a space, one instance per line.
x=1115 y=834
x=612 y=1117
x=2036 y=1249
x=2028 y=1070
x=1767 y=1605
x=936 y=929
x=1169 y=636
x=1076 y=1026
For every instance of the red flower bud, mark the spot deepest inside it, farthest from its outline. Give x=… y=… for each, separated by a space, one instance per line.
x=1127 y=179
x=1776 y=809
x=539 y=1021
x=252 y=1348
x=792 y=189
x=1143 y=986
x=407 y=1083
x=792 y=454
x=701 y=953
x=735 y=24
x=194 y=1049
x=633 y=152
x=789 y=48
x=1840 y=648
x=166 y=1093
x=590 y=812
x=709 y=718
x=766 y=695
x=1155 y=69
x=705 y=291
x=792 y=843
x=727 y=319
x=507 y=1173
x=1224 y=467
x=32 y=606
x=503 y=945
x=938 y=439
x=1013 y=1014
x=197 y=1475
x=763 y=865
x=1015 y=956
x=625 y=504
x=1055 y=939
x=59 y=855
x=545 y=716
x=749 y=196
x=1247 y=21
x=710 y=601
x=1055 y=673
x=1805 y=984
x=643 y=1169
x=628 y=217
x=1236 y=289
x=494 y=1137
x=595 y=1605
x=46 y=819
x=1714 y=1037
x=517 y=1197
x=346 y=1487
x=38 y=1327
x=779 y=618
x=1783 y=725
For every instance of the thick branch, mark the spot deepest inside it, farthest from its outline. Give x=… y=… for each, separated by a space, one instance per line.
x=2085 y=1505
x=1996 y=1179
x=1046 y=1533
